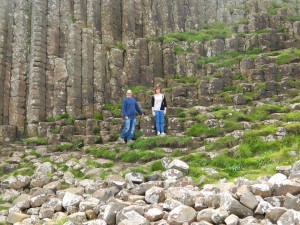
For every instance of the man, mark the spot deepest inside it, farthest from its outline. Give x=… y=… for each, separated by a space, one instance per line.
x=129 y=106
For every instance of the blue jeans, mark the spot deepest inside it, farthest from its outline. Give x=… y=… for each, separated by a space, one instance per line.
x=129 y=126
x=159 y=120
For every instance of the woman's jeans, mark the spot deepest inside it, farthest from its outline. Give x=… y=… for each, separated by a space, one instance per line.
x=159 y=120
x=129 y=126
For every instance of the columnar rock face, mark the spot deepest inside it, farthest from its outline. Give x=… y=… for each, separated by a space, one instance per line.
x=36 y=78
x=75 y=56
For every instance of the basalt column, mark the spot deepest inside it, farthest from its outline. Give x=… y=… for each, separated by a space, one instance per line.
x=52 y=53
x=101 y=87
x=7 y=40
x=3 y=51
x=36 y=79
x=87 y=72
x=74 y=81
x=94 y=17
x=111 y=21
x=17 y=111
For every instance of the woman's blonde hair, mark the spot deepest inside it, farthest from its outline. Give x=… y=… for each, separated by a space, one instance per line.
x=156 y=88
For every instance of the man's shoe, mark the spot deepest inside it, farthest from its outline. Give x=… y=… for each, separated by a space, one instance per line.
x=158 y=133
x=121 y=141
x=129 y=141
x=163 y=134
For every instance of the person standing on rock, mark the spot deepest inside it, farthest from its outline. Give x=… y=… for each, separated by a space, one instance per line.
x=129 y=106
x=159 y=109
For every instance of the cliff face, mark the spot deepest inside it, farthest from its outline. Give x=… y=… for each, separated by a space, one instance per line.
x=73 y=56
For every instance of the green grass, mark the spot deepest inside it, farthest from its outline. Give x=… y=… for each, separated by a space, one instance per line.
x=64 y=147
x=142 y=155
x=157 y=166
x=35 y=141
x=98 y=116
x=272 y=9
x=115 y=109
x=291 y=117
x=198 y=130
x=223 y=142
x=103 y=152
x=154 y=142
x=209 y=32
x=293 y=128
x=293 y=18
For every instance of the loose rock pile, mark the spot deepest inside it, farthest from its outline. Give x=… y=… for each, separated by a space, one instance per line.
x=169 y=198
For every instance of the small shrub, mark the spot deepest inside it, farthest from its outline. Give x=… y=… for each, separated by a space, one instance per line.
x=50 y=119
x=70 y=121
x=96 y=129
x=98 y=116
x=157 y=166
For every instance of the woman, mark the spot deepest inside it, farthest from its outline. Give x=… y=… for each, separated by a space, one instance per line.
x=159 y=109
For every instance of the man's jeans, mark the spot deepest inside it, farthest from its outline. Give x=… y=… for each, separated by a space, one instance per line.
x=159 y=120
x=129 y=126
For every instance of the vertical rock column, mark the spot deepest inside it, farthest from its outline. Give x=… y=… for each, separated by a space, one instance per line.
x=111 y=21
x=167 y=16
x=148 y=19
x=74 y=82
x=169 y=59
x=100 y=73
x=146 y=74
x=3 y=36
x=94 y=17
x=19 y=65
x=36 y=97
x=80 y=11
x=117 y=76
x=9 y=16
x=179 y=16
x=155 y=58
x=60 y=77
x=132 y=67
x=192 y=14
x=52 y=52
x=87 y=72
x=128 y=23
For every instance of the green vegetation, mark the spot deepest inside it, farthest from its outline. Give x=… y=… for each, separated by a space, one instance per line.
x=142 y=155
x=35 y=141
x=272 y=9
x=209 y=32
x=293 y=18
x=154 y=142
x=96 y=129
x=98 y=116
x=104 y=152
x=114 y=109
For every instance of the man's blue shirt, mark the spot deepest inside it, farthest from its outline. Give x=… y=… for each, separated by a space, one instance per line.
x=129 y=106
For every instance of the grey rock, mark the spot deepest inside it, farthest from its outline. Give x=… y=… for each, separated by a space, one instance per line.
x=292 y=202
x=262 y=190
x=182 y=214
x=233 y=206
x=171 y=174
x=154 y=214
x=109 y=215
x=155 y=195
x=289 y=217
x=232 y=220
x=206 y=215
x=71 y=199
x=273 y=214
x=136 y=178
x=179 y=165
x=249 y=200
